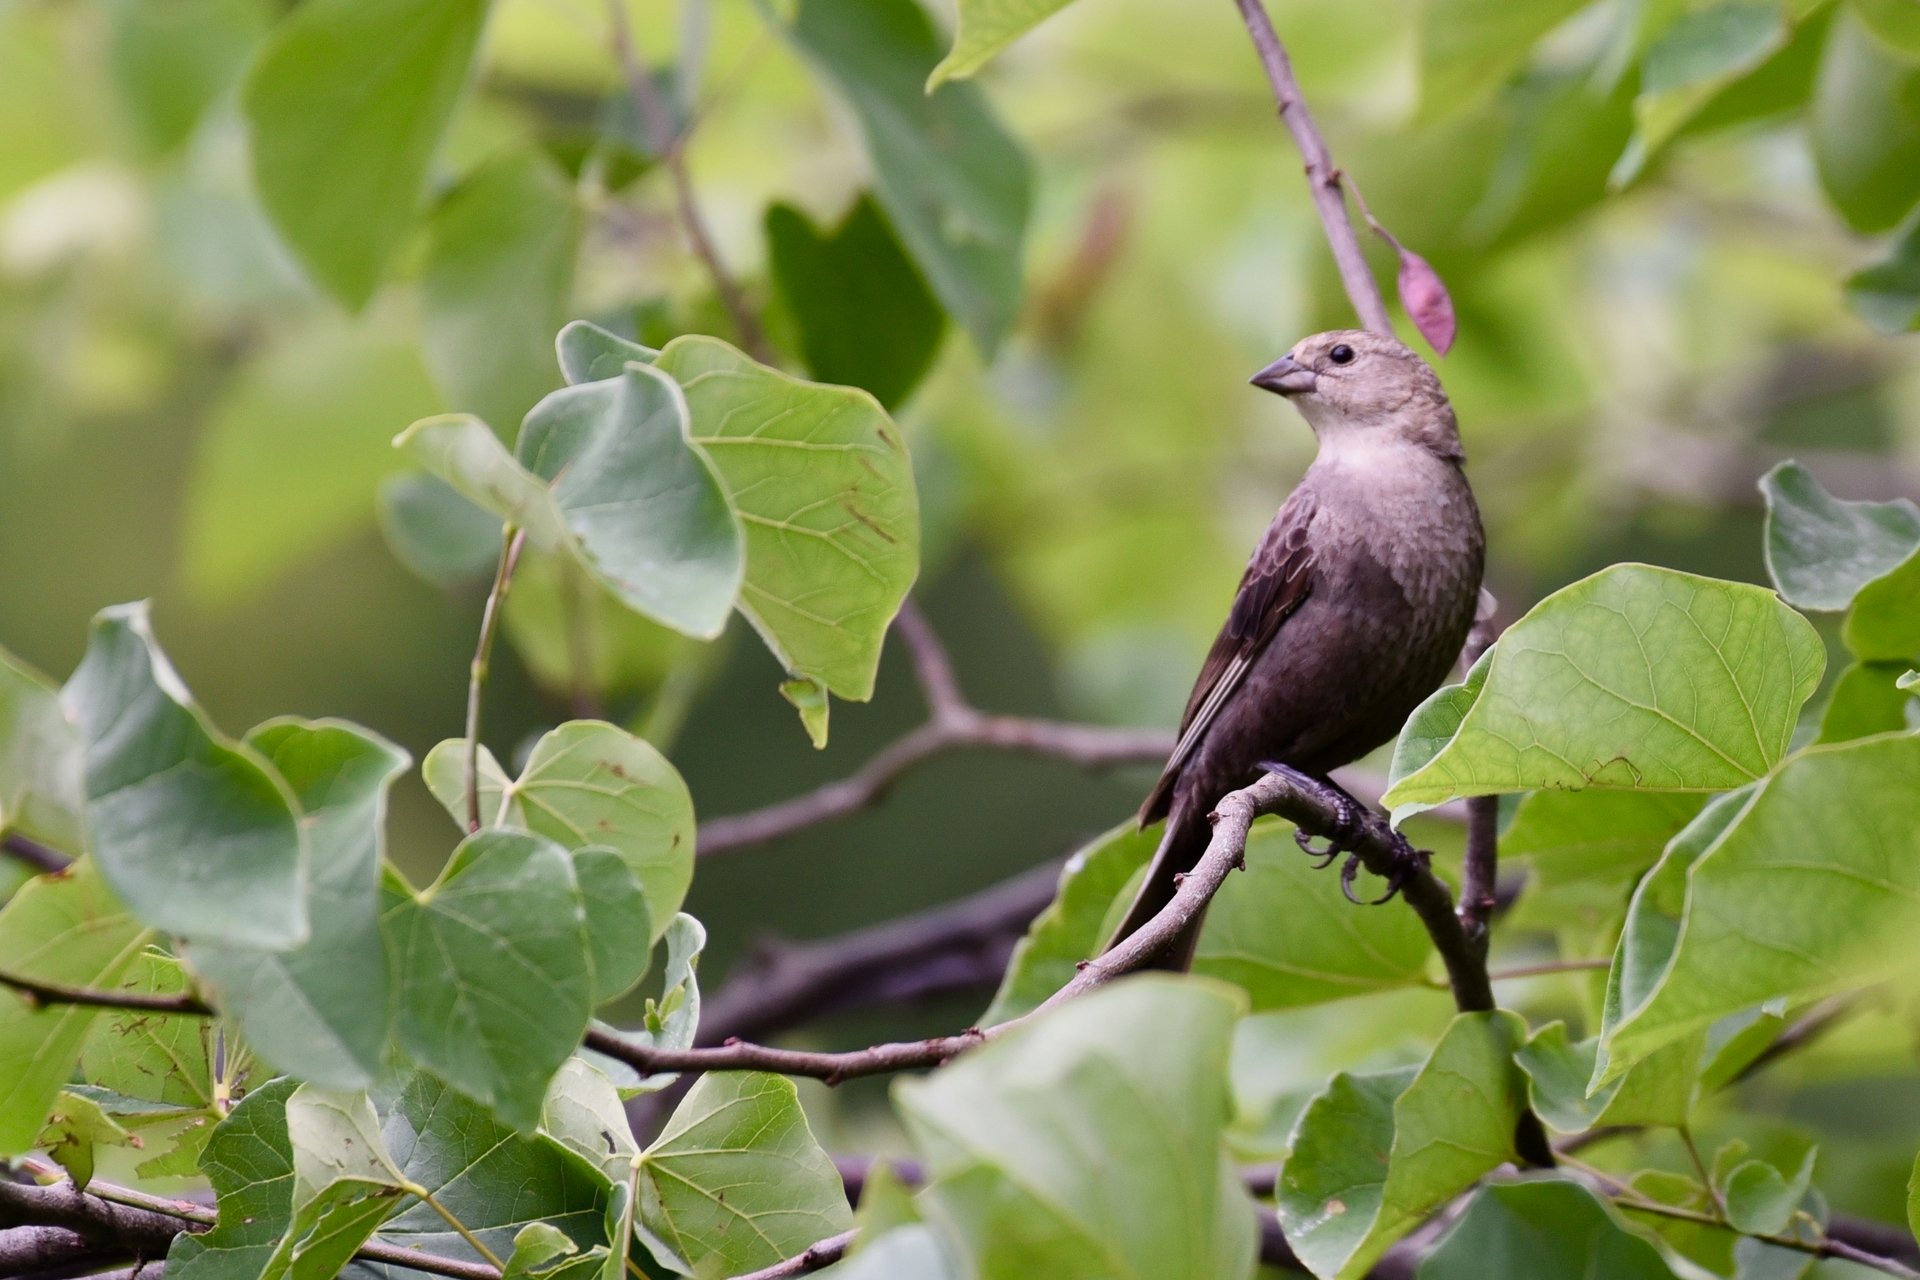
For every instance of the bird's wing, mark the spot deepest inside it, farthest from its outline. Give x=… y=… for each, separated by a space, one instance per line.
x=1277 y=579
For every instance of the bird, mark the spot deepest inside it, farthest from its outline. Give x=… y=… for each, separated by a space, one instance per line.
x=1353 y=608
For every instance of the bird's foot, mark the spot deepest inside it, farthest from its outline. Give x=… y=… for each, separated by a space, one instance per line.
x=1407 y=863
x=1346 y=825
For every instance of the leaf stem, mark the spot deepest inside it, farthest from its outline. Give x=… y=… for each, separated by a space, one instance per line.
x=474 y=1242
x=1706 y=1177
x=512 y=539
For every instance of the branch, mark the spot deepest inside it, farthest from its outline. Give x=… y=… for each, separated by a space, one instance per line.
x=661 y=136
x=40 y=857
x=963 y=946
x=513 y=540
x=44 y=993
x=1481 y=870
x=822 y=1253
x=123 y=1223
x=1323 y=180
x=952 y=724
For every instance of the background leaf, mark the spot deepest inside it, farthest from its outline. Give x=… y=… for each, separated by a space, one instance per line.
x=1820 y=550
x=1865 y=127
x=865 y=316
x=249 y=1160
x=984 y=28
x=954 y=184
x=1545 y=1227
x=347 y=103
x=41 y=787
x=196 y=834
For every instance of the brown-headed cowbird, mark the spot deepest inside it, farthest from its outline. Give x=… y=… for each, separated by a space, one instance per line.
x=1353 y=608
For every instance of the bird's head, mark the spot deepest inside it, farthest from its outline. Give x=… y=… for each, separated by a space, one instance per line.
x=1354 y=384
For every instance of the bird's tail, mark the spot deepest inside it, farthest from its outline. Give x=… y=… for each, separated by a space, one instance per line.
x=1187 y=835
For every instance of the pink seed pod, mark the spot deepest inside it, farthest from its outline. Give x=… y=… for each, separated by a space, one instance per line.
x=1425 y=297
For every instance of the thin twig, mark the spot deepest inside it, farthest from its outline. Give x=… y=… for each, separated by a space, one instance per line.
x=1323 y=180
x=820 y=1254
x=511 y=541
x=40 y=857
x=1548 y=966
x=661 y=136
x=44 y=993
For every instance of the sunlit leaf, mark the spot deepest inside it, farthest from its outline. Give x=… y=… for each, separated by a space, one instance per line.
x=822 y=482
x=196 y=834
x=865 y=316
x=1820 y=550
x=954 y=185
x=1545 y=1227
x=493 y=978
x=1374 y=1154
x=499 y=270
x=1658 y=1091
x=1887 y=294
x=347 y=103
x=320 y=1010
x=1884 y=624
x=588 y=783
x=736 y=1181
x=1806 y=888
x=344 y=1184
x=1088 y=1143
x=41 y=789
x=168 y=1059
x=1636 y=677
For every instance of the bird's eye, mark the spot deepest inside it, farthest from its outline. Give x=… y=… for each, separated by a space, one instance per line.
x=1342 y=354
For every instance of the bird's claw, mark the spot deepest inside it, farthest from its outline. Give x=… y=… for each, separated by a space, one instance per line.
x=1407 y=862
x=1346 y=827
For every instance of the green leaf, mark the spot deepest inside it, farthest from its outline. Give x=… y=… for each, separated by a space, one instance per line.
x=1690 y=64
x=735 y=1182
x=1909 y=681
x=1896 y=22
x=347 y=102
x=1864 y=124
x=74 y=1128
x=499 y=270
x=1574 y=696
x=1374 y=1154
x=1538 y=1228
x=1585 y=850
x=1887 y=294
x=619 y=925
x=866 y=318
x=494 y=980
x=1071 y=929
x=344 y=1184
x=822 y=482
x=673 y=1018
x=1089 y=1142
x=587 y=783
x=1884 y=624
x=1866 y=700
x=154 y=1057
x=1760 y=1199
x=1820 y=550
x=588 y=353
x=1913 y=1198
x=953 y=183
x=437 y=533
x=41 y=788
x=196 y=834
x=171 y=61
x=249 y=1161
x=584 y=1113
x=809 y=698
x=320 y=1011
x=911 y=1252
x=293 y=451
x=1658 y=1091
x=536 y=1249
x=68 y=929
x=984 y=28
x=1432 y=727
x=1467 y=48
x=1807 y=888
x=605 y=473
x=574 y=636
x=495 y=1181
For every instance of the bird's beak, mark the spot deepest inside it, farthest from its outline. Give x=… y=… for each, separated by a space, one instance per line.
x=1285 y=377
